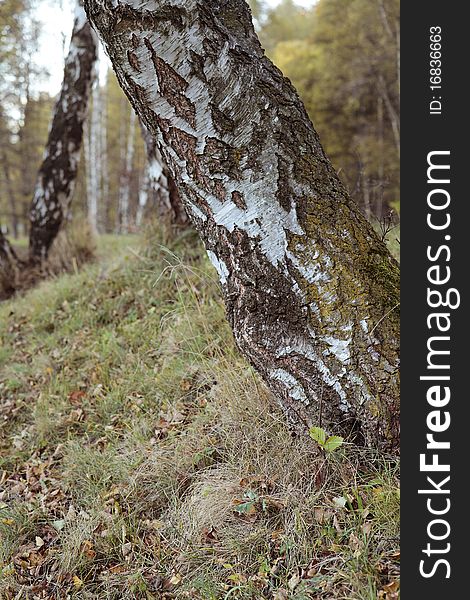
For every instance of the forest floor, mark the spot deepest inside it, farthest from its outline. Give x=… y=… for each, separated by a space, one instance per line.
x=141 y=457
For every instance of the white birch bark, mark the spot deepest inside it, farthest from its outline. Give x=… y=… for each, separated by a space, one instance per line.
x=159 y=185
x=311 y=293
x=103 y=213
x=58 y=172
x=126 y=187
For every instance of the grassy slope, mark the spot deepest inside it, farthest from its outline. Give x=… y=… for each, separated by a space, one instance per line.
x=140 y=457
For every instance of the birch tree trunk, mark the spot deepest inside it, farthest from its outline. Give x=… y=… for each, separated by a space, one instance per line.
x=160 y=187
x=96 y=150
x=311 y=293
x=58 y=172
x=106 y=209
x=125 y=190
x=93 y=157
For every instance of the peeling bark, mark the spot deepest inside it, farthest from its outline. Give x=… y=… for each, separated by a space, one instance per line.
x=160 y=187
x=58 y=172
x=311 y=292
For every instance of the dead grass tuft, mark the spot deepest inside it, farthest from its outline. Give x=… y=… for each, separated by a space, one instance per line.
x=74 y=246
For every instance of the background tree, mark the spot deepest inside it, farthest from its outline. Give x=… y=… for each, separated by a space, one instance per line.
x=19 y=32
x=159 y=187
x=311 y=293
x=343 y=57
x=57 y=174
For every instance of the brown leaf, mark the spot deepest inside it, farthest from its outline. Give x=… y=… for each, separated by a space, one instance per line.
x=293 y=582
x=367 y=527
x=87 y=549
x=76 y=396
x=322 y=515
x=209 y=535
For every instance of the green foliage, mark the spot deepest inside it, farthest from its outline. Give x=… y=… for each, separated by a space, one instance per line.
x=286 y=22
x=19 y=34
x=328 y=444
x=342 y=56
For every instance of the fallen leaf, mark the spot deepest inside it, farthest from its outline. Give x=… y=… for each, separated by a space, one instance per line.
x=175 y=579
x=293 y=582
x=76 y=396
x=322 y=515
x=237 y=578
x=367 y=527
x=87 y=549
x=340 y=502
x=59 y=524
x=126 y=548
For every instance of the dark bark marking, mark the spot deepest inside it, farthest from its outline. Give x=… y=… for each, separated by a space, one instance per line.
x=133 y=61
x=239 y=200
x=173 y=87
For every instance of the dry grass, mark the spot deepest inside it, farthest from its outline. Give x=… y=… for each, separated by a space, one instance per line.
x=143 y=458
x=74 y=246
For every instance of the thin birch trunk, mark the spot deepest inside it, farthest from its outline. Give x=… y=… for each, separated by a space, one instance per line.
x=391 y=110
x=94 y=159
x=126 y=187
x=381 y=170
x=105 y=200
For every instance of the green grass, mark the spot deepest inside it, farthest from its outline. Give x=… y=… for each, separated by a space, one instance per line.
x=141 y=457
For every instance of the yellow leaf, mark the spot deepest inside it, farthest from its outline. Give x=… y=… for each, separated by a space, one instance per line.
x=77 y=582
x=237 y=578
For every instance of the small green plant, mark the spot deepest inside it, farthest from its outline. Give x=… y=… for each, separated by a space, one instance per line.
x=248 y=505
x=328 y=444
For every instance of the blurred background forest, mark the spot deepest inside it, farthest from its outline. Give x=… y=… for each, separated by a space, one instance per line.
x=342 y=56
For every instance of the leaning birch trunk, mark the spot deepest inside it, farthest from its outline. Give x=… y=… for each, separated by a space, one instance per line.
x=160 y=187
x=58 y=172
x=311 y=292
